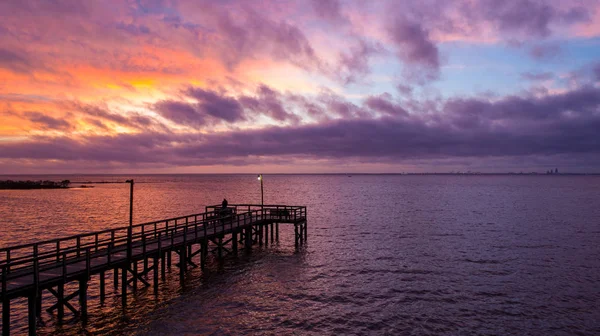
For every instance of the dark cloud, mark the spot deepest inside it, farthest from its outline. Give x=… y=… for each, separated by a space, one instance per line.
x=384 y=105
x=251 y=33
x=354 y=63
x=415 y=47
x=102 y=115
x=537 y=76
x=47 y=122
x=179 y=112
x=216 y=105
x=529 y=18
x=269 y=102
x=564 y=124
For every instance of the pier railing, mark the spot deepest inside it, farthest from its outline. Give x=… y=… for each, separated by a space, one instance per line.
x=34 y=258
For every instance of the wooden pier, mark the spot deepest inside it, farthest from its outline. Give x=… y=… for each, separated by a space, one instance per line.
x=30 y=269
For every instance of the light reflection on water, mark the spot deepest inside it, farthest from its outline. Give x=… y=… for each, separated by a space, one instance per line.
x=385 y=254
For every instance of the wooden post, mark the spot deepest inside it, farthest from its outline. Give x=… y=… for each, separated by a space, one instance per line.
x=5 y=316
x=155 y=266
x=234 y=242
x=182 y=262
x=260 y=234
x=32 y=300
x=102 y=292
x=266 y=234
x=169 y=259
x=116 y=279
x=61 y=303
x=277 y=231
x=38 y=305
x=134 y=268
x=296 y=234
x=162 y=265
x=203 y=253
x=248 y=236
x=124 y=286
x=305 y=230
x=5 y=304
x=83 y=297
x=272 y=233
x=220 y=248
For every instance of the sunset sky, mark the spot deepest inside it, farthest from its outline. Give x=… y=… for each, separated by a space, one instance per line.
x=191 y=86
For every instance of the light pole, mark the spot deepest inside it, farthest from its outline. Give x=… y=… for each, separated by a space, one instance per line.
x=262 y=197
x=129 y=233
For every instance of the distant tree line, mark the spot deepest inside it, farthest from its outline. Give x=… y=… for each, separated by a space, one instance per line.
x=8 y=184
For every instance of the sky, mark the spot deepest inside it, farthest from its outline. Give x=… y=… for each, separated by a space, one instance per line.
x=314 y=86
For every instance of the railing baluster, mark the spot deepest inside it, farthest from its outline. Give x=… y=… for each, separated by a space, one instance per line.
x=78 y=246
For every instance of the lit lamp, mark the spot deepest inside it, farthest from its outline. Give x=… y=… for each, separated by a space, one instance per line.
x=262 y=198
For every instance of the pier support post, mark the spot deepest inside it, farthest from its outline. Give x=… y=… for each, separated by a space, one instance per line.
x=220 y=248
x=134 y=268
x=38 y=304
x=5 y=316
x=116 y=279
x=124 y=287
x=277 y=231
x=266 y=234
x=296 y=235
x=203 y=253
x=248 y=238
x=260 y=235
x=102 y=285
x=234 y=242
x=32 y=301
x=169 y=259
x=155 y=265
x=305 y=230
x=83 y=298
x=182 y=264
x=163 y=272
x=272 y=233
x=61 y=299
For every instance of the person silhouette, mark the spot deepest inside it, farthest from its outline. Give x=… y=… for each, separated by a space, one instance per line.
x=224 y=203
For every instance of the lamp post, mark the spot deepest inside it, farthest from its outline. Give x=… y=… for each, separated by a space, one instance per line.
x=129 y=230
x=262 y=197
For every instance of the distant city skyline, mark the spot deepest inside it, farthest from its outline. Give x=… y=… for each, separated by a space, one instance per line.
x=321 y=86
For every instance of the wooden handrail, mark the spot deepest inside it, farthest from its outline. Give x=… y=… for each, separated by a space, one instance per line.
x=47 y=253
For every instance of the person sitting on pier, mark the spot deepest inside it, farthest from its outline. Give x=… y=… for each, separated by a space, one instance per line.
x=224 y=204
x=224 y=211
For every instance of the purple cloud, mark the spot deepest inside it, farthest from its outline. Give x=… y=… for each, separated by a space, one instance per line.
x=179 y=112
x=564 y=124
x=46 y=122
x=217 y=106
x=270 y=103
x=355 y=63
x=415 y=47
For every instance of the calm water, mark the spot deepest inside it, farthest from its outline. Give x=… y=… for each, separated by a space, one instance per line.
x=396 y=255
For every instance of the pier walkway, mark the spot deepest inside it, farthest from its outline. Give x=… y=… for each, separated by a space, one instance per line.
x=29 y=269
